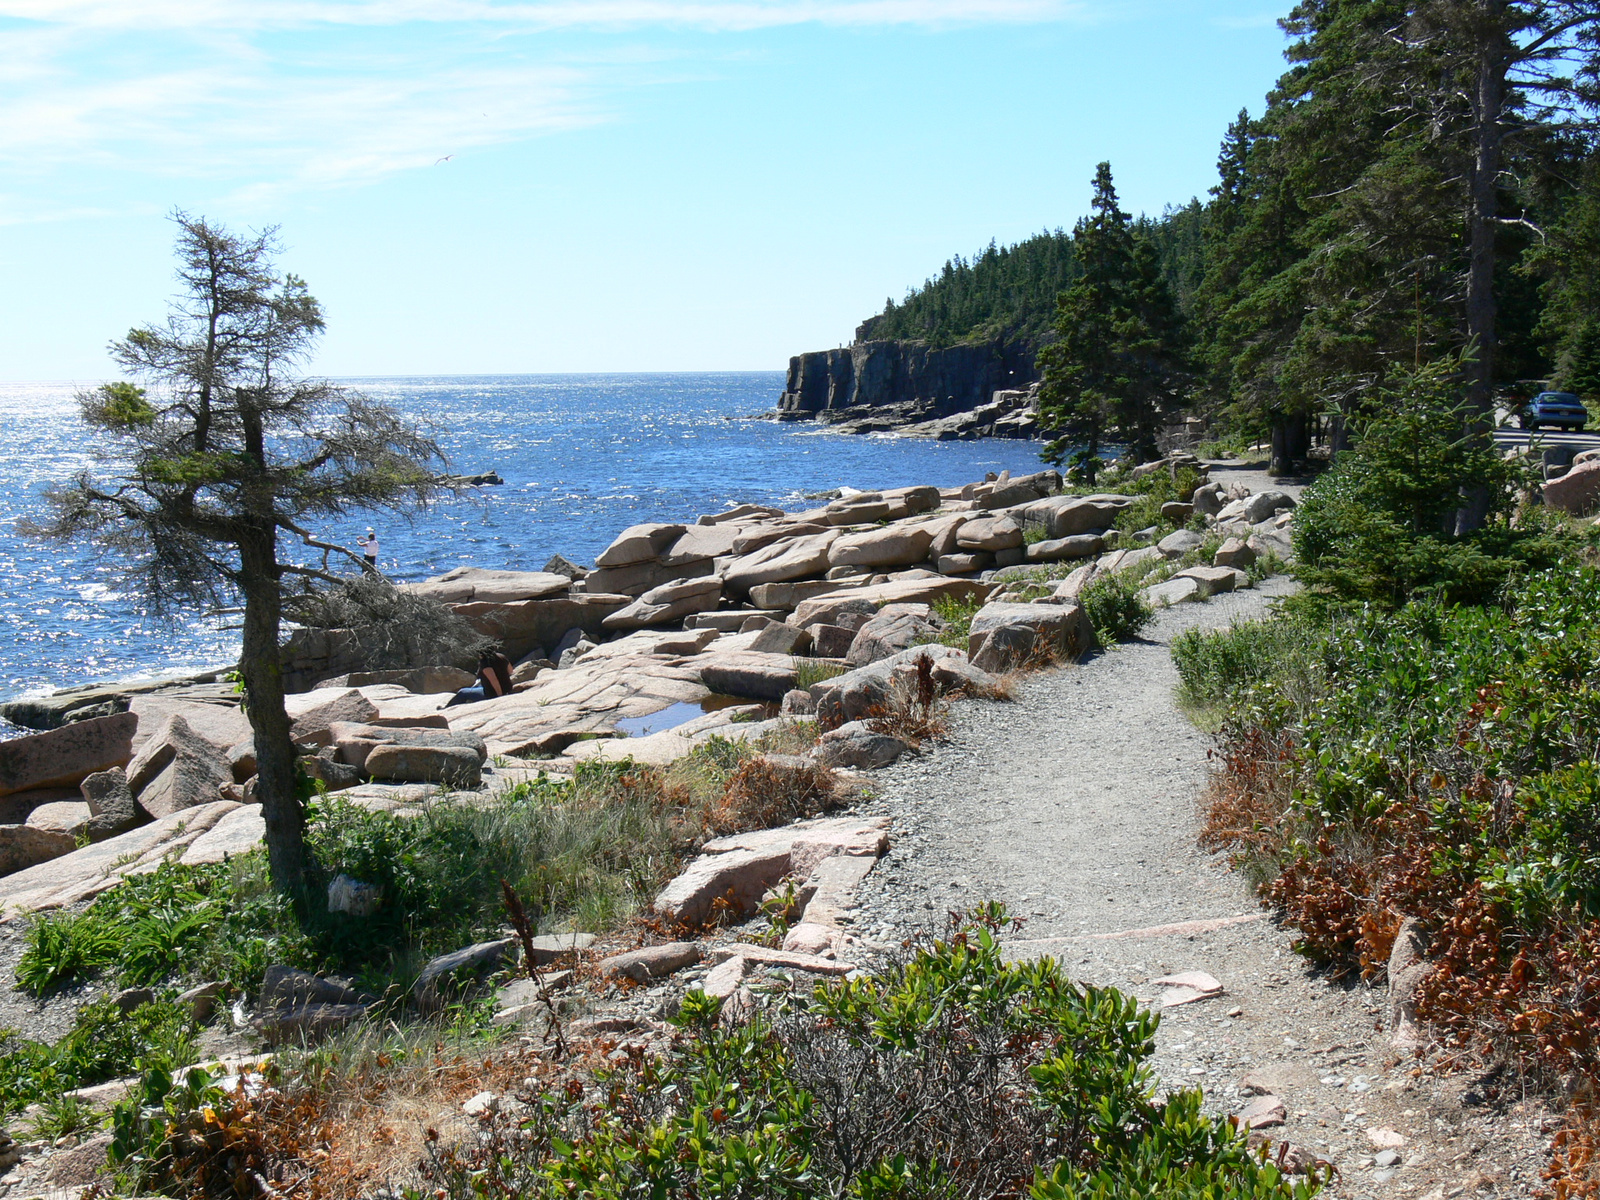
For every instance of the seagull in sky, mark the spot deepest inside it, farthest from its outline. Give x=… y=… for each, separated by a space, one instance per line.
x=446 y=158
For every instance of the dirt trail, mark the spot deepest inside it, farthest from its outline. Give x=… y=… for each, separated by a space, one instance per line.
x=1076 y=805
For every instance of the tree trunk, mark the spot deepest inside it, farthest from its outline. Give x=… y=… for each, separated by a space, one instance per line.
x=1493 y=60
x=1494 y=54
x=1338 y=435
x=1289 y=445
x=262 y=665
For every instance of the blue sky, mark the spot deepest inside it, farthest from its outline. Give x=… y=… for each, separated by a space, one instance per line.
x=632 y=184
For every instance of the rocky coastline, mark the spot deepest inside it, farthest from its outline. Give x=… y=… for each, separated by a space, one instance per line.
x=813 y=636
x=910 y=389
x=742 y=621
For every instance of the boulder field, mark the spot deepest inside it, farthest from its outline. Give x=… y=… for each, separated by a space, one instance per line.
x=716 y=626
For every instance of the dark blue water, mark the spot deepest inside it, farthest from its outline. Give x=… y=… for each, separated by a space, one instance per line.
x=582 y=457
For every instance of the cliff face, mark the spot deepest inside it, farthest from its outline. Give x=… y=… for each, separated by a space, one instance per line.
x=877 y=374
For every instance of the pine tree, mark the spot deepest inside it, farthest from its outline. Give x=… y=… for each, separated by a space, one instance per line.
x=1570 y=323
x=1116 y=365
x=228 y=453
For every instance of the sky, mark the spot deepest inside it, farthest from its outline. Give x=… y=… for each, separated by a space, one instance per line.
x=529 y=186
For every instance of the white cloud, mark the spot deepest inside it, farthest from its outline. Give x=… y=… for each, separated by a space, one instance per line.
x=269 y=96
x=540 y=14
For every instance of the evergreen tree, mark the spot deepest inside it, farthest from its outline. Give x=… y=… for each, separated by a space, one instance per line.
x=1570 y=323
x=1115 y=367
x=228 y=453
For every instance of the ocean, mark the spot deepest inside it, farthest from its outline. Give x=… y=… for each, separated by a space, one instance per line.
x=582 y=457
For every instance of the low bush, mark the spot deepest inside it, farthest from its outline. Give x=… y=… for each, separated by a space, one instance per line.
x=587 y=851
x=951 y=1073
x=216 y=921
x=761 y=795
x=1435 y=762
x=1115 y=605
x=915 y=711
x=63 y=948
x=103 y=1043
x=1217 y=666
x=957 y=616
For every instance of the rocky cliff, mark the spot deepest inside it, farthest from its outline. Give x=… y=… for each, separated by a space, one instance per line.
x=902 y=382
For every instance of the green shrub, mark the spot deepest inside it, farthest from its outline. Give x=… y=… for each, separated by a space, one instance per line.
x=1379 y=526
x=106 y=1043
x=588 y=850
x=63 y=948
x=438 y=873
x=1143 y=513
x=1439 y=762
x=1218 y=665
x=63 y=1115
x=1115 y=605
x=951 y=1073
x=957 y=614
x=103 y=1043
x=27 y=1072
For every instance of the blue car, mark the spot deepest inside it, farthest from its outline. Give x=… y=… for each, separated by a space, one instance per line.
x=1563 y=410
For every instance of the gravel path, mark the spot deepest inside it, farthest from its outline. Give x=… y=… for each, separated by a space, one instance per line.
x=1076 y=805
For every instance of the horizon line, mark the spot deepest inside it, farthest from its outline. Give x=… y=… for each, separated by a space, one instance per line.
x=454 y=375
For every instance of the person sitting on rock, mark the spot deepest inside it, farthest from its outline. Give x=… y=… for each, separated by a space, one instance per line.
x=494 y=679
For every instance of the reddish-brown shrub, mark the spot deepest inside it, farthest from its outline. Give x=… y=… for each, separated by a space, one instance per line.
x=763 y=793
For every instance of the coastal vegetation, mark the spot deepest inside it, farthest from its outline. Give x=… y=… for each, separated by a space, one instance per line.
x=1423 y=185
x=1405 y=748
x=950 y=1072
x=583 y=852
x=1431 y=763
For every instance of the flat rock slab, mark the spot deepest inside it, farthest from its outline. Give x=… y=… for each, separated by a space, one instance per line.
x=738 y=877
x=1215 y=580
x=64 y=816
x=651 y=962
x=791 y=960
x=1174 y=591
x=524 y=625
x=585 y=699
x=65 y=757
x=809 y=842
x=220 y=721
x=747 y=673
x=739 y=870
x=1264 y=1112
x=238 y=832
x=465 y=584
x=458 y=766
x=900 y=591
x=833 y=883
x=92 y=869
x=727 y=977
x=1187 y=987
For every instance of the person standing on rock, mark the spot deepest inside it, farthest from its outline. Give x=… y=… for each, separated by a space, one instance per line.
x=369 y=549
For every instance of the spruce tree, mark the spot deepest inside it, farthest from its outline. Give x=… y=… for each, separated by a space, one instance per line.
x=224 y=455
x=1114 y=370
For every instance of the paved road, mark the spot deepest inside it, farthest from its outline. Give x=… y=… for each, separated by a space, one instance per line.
x=1509 y=435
